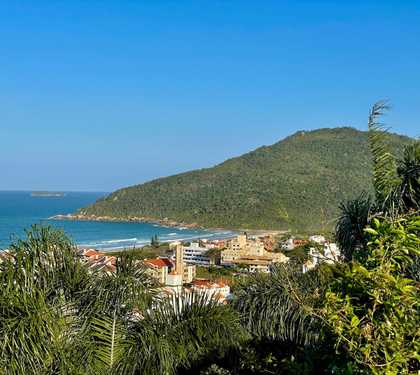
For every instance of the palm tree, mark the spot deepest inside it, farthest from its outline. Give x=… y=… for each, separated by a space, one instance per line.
x=408 y=170
x=396 y=184
x=58 y=316
x=39 y=278
x=279 y=306
x=396 y=181
x=354 y=218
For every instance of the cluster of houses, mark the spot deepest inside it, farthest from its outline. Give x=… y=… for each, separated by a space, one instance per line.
x=175 y=274
x=249 y=252
x=98 y=260
x=254 y=254
x=178 y=274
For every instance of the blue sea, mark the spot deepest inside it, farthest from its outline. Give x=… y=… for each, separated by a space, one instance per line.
x=19 y=210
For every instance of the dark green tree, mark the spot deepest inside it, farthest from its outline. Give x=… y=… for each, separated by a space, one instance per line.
x=154 y=241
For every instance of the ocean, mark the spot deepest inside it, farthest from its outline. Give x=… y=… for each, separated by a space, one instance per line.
x=19 y=210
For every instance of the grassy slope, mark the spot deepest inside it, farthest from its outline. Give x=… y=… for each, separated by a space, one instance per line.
x=295 y=183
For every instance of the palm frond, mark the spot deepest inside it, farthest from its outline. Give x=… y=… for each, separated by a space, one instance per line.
x=111 y=343
x=409 y=173
x=181 y=329
x=279 y=306
x=385 y=177
x=130 y=287
x=29 y=331
x=349 y=230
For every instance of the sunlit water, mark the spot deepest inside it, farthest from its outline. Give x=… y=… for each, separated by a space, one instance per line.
x=19 y=210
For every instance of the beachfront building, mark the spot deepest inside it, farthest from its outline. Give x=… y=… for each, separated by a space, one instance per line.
x=251 y=254
x=196 y=253
x=186 y=271
x=255 y=263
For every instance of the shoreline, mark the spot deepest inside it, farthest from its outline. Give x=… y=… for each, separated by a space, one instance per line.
x=132 y=219
x=141 y=246
x=169 y=223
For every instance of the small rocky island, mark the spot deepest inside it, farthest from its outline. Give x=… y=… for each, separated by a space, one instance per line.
x=47 y=194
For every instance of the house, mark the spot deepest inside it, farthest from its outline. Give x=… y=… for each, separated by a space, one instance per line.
x=298 y=243
x=159 y=268
x=219 y=289
x=330 y=253
x=91 y=253
x=218 y=244
x=99 y=261
x=289 y=244
x=170 y=273
x=317 y=239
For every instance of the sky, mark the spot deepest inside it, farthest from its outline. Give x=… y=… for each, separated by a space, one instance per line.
x=98 y=95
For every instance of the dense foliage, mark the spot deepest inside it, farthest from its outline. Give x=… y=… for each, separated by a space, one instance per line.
x=374 y=306
x=295 y=183
x=360 y=316
x=59 y=317
x=396 y=181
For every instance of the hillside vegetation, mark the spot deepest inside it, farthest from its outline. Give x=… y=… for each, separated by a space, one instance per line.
x=296 y=183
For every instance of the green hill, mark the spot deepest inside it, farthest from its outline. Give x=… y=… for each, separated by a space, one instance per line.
x=295 y=183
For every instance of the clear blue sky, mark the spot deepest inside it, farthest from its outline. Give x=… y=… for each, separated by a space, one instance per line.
x=96 y=95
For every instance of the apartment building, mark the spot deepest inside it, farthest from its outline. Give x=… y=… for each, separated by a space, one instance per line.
x=251 y=253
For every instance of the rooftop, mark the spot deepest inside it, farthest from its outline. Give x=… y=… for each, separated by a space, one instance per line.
x=159 y=262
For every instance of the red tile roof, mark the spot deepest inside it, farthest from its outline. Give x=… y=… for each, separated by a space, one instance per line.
x=203 y=283
x=92 y=252
x=159 y=262
x=300 y=242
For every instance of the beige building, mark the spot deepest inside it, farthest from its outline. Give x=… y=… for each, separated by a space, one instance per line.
x=250 y=253
x=159 y=268
x=171 y=273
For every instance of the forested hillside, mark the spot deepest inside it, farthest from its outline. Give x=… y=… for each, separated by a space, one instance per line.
x=296 y=183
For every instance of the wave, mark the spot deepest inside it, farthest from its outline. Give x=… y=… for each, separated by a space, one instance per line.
x=121 y=240
x=114 y=244
x=105 y=242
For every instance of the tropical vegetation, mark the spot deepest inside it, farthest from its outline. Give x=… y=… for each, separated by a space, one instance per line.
x=358 y=316
x=59 y=317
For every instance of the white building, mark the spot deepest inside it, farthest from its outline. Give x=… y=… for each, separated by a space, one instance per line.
x=196 y=254
x=317 y=239
x=288 y=244
x=329 y=254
